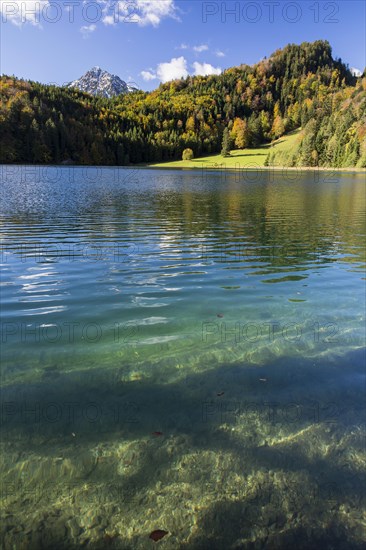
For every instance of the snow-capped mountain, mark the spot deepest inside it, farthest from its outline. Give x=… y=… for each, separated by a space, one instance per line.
x=102 y=83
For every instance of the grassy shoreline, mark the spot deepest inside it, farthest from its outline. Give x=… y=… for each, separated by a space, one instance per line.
x=166 y=166
x=252 y=159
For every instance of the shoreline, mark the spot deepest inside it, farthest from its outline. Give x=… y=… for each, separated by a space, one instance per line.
x=215 y=167
x=258 y=168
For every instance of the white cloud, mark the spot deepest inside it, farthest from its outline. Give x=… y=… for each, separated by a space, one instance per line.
x=175 y=68
x=201 y=48
x=197 y=49
x=86 y=30
x=219 y=53
x=205 y=69
x=142 y=12
x=20 y=12
x=109 y=20
x=153 y=11
x=148 y=75
x=356 y=72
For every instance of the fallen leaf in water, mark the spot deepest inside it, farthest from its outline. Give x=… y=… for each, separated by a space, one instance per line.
x=220 y=315
x=157 y=534
x=157 y=433
x=220 y=394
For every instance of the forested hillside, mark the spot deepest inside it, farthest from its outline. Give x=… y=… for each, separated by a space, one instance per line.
x=298 y=86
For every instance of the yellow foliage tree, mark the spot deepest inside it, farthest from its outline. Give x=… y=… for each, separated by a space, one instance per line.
x=240 y=133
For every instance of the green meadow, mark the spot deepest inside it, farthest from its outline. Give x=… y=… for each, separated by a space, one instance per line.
x=283 y=147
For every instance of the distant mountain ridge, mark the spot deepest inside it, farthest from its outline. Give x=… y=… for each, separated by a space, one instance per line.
x=99 y=82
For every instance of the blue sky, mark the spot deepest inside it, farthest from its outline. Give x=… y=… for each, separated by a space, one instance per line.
x=149 y=41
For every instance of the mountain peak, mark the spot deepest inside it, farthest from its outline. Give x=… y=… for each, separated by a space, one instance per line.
x=99 y=82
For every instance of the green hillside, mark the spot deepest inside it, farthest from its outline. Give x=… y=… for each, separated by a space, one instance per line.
x=298 y=86
x=241 y=158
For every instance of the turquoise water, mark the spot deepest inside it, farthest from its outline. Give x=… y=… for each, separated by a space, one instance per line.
x=182 y=351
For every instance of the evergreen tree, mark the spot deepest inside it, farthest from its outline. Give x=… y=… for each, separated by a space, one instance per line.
x=226 y=143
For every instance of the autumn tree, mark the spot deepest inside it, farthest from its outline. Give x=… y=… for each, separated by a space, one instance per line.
x=187 y=154
x=278 y=127
x=240 y=133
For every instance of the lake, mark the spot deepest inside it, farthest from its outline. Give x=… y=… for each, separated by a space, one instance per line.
x=182 y=351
